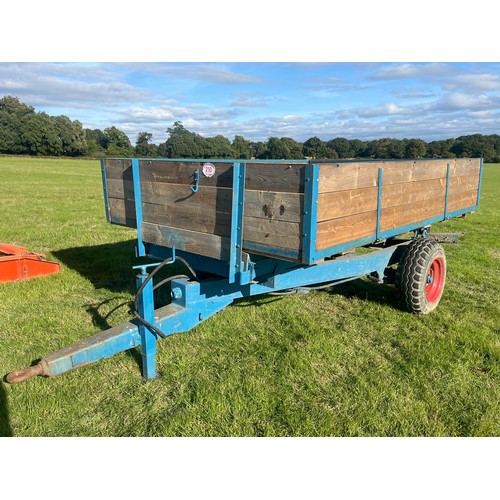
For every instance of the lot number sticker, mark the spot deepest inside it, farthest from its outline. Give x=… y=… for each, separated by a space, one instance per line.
x=208 y=170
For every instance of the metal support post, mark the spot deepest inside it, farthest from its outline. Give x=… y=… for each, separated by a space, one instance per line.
x=148 y=337
x=379 y=204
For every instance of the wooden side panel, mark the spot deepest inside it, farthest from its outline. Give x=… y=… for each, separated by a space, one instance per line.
x=273 y=208
x=412 y=192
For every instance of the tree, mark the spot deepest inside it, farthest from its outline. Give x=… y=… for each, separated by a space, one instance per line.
x=241 y=147
x=315 y=148
x=440 y=149
x=217 y=147
x=97 y=144
x=415 y=148
x=275 y=149
x=13 y=105
x=71 y=135
x=142 y=146
x=118 y=142
x=12 y=114
x=258 y=150
x=293 y=148
x=341 y=146
x=182 y=143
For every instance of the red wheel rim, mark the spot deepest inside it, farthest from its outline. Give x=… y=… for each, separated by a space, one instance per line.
x=435 y=280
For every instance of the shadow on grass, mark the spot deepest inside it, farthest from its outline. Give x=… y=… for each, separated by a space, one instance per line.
x=105 y=266
x=109 y=266
x=5 y=429
x=363 y=289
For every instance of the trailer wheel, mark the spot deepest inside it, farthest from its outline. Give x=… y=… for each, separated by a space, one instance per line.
x=421 y=275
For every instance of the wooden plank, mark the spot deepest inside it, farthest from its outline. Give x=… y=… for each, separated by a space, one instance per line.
x=280 y=177
x=122 y=211
x=345 y=229
x=344 y=203
x=463 y=200
x=395 y=195
x=286 y=207
x=286 y=177
x=357 y=175
x=195 y=219
x=209 y=245
x=120 y=188
x=465 y=166
x=410 y=213
x=272 y=233
x=118 y=169
x=209 y=199
x=462 y=184
x=182 y=172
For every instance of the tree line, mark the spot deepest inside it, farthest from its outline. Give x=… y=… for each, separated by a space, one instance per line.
x=25 y=131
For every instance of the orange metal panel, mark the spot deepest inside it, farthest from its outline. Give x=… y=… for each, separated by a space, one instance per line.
x=18 y=263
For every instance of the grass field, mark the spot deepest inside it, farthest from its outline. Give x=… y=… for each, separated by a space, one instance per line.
x=345 y=362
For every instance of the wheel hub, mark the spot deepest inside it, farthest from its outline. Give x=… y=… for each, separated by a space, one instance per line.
x=435 y=280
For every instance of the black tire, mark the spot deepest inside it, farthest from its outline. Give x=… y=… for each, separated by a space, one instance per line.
x=421 y=275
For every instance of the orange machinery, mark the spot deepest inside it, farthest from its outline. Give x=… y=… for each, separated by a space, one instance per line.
x=18 y=263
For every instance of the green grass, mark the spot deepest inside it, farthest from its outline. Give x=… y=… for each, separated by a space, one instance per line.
x=346 y=362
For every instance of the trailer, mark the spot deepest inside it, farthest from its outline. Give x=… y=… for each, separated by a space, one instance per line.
x=246 y=227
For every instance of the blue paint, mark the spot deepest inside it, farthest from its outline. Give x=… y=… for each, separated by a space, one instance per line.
x=105 y=190
x=194 y=188
x=148 y=337
x=100 y=346
x=237 y=210
x=379 y=204
x=448 y=168
x=310 y=213
x=480 y=184
x=136 y=177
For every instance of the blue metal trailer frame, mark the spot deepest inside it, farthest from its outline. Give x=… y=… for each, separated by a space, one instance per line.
x=244 y=275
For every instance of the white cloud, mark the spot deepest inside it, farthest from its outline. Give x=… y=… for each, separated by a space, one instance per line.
x=62 y=86
x=459 y=101
x=389 y=108
x=212 y=73
x=476 y=81
x=422 y=71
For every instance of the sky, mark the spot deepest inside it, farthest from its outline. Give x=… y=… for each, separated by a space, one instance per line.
x=435 y=100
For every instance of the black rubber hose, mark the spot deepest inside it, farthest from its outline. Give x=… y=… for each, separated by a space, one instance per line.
x=166 y=280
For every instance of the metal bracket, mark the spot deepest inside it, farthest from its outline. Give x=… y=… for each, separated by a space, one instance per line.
x=194 y=188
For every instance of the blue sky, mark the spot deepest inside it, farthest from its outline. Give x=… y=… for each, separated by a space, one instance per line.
x=258 y=100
